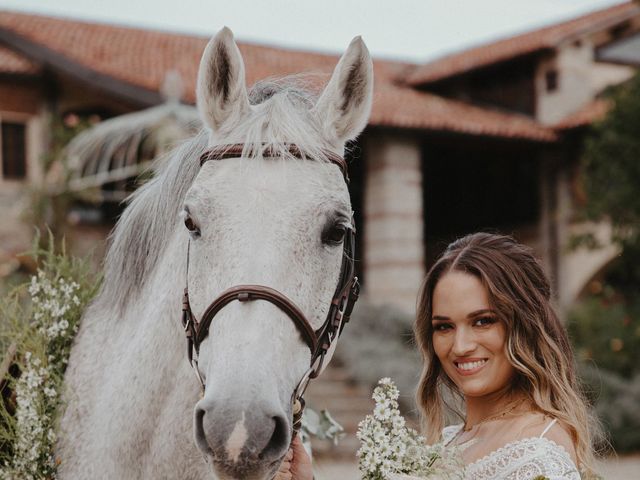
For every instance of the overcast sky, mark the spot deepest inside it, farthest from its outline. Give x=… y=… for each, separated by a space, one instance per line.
x=415 y=30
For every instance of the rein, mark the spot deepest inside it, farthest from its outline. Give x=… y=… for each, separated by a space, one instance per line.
x=321 y=342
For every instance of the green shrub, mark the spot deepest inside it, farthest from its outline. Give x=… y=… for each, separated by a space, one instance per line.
x=606 y=330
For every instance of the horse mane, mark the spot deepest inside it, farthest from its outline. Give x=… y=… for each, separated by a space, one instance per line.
x=141 y=234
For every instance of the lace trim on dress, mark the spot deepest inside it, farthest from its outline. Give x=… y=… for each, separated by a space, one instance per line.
x=520 y=460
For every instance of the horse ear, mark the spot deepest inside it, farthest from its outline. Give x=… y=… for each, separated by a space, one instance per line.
x=221 y=92
x=345 y=104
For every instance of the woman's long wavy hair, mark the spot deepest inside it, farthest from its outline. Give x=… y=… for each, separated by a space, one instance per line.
x=537 y=343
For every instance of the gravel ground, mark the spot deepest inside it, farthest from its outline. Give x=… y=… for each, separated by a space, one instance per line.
x=624 y=467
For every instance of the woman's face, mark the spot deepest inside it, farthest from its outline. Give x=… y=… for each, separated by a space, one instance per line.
x=468 y=337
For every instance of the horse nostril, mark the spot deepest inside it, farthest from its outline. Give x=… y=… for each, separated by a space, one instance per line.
x=279 y=441
x=198 y=427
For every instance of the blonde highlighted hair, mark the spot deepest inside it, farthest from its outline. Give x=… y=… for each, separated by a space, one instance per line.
x=537 y=343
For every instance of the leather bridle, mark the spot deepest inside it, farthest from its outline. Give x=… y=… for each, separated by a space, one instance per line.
x=321 y=342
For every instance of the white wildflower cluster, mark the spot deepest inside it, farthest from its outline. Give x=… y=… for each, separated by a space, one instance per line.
x=34 y=433
x=52 y=301
x=56 y=308
x=390 y=449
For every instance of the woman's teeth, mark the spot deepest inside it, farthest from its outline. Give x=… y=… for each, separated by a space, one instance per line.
x=471 y=365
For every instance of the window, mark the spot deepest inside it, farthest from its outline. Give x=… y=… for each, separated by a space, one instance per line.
x=14 y=158
x=551 y=80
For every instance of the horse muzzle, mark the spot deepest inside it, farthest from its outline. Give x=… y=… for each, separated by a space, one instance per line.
x=242 y=443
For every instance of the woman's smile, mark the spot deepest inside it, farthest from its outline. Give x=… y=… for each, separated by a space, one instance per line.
x=470 y=366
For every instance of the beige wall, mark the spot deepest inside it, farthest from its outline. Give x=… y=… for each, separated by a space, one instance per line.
x=15 y=234
x=394 y=248
x=580 y=79
x=578 y=267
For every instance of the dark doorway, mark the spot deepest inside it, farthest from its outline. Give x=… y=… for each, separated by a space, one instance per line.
x=472 y=186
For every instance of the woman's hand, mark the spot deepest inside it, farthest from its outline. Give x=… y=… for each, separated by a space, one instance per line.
x=296 y=464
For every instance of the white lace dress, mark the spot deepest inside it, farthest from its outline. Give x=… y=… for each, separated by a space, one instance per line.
x=522 y=459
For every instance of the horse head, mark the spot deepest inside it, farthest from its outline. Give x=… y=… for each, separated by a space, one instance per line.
x=265 y=217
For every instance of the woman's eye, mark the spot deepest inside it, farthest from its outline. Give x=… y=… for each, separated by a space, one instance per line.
x=483 y=321
x=441 y=327
x=335 y=235
x=191 y=226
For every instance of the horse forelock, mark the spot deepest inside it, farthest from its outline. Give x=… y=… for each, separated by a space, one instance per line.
x=283 y=113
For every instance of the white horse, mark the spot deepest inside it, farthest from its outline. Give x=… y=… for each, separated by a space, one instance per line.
x=134 y=405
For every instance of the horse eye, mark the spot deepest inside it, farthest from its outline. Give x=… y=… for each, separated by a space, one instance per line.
x=191 y=226
x=335 y=234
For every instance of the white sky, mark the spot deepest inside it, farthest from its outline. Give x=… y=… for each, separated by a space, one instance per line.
x=415 y=30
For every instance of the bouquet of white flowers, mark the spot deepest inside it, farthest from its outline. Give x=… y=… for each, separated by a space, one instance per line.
x=390 y=450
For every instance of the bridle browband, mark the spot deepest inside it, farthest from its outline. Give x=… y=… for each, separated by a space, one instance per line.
x=321 y=342
x=235 y=150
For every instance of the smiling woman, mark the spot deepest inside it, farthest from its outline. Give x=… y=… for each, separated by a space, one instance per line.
x=488 y=333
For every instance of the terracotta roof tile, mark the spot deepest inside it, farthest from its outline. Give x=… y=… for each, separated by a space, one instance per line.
x=12 y=62
x=141 y=58
x=515 y=46
x=395 y=106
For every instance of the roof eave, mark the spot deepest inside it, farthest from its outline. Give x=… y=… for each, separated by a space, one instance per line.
x=132 y=94
x=427 y=81
x=552 y=44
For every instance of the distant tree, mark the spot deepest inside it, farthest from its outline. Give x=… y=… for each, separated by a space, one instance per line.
x=611 y=174
x=611 y=178
x=605 y=326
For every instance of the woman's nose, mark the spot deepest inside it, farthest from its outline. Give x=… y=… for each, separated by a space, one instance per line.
x=464 y=342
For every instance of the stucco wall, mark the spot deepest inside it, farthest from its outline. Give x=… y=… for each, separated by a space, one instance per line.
x=580 y=79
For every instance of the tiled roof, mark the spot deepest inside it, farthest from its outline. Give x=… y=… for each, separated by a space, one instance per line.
x=397 y=106
x=128 y=58
x=515 y=46
x=591 y=112
x=12 y=62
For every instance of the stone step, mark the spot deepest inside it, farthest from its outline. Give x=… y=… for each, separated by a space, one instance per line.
x=347 y=402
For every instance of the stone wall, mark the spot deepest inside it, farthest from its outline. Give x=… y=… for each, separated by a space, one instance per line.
x=394 y=247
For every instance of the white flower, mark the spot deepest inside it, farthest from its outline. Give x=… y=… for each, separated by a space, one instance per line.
x=55 y=317
x=389 y=448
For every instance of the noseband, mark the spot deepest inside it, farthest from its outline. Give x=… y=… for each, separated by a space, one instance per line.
x=321 y=342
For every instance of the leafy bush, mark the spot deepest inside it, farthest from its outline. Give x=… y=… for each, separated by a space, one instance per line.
x=606 y=326
x=611 y=173
x=606 y=330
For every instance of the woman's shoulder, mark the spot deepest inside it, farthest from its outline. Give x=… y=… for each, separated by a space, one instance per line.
x=538 y=444
x=525 y=458
x=553 y=430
